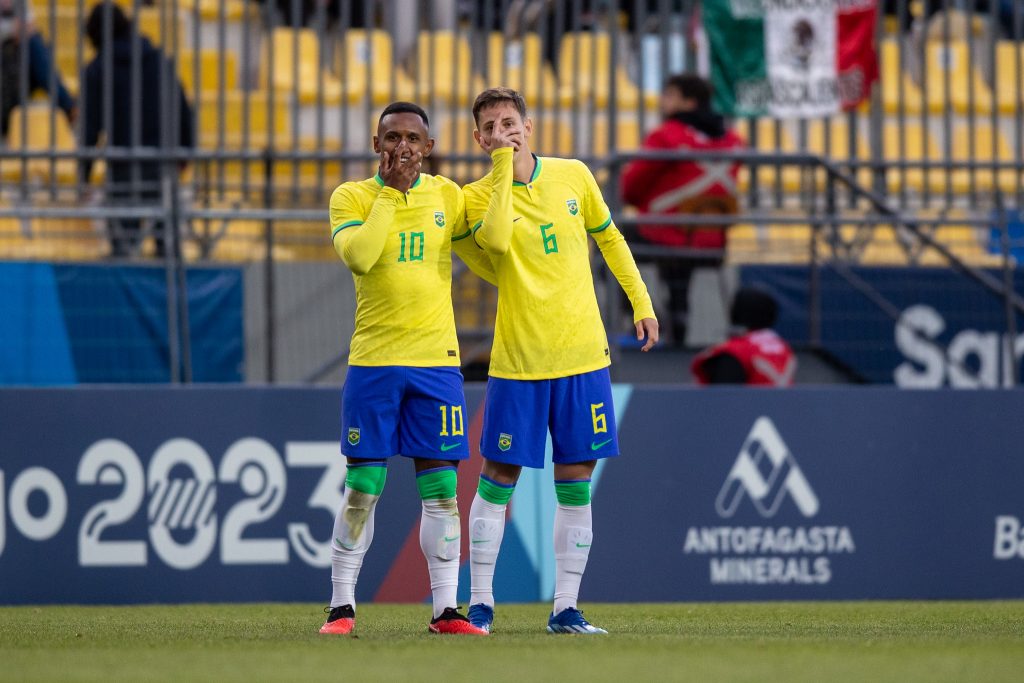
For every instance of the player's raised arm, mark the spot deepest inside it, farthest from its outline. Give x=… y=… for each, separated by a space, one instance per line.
x=494 y=232
x=360 y=244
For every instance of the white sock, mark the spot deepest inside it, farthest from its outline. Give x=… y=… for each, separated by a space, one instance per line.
x=353 y=533
x=440 y=540
x=486 y=529
x=573 y=535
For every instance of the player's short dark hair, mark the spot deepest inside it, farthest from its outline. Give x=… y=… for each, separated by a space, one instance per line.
x=120 y=26
x=493 y=96
x=754 y=309
x=404 y=108
x=692 y=87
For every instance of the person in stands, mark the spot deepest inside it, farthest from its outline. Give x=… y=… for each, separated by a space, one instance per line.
x=753 y=354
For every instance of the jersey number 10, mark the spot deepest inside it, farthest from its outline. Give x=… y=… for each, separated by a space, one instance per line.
x=412 y=247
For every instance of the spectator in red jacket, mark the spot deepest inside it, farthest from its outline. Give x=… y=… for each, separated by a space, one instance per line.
x=706 y=186
x=753 y=354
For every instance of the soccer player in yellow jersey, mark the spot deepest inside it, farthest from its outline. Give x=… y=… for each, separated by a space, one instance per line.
x=549 y=363
x=403 y=392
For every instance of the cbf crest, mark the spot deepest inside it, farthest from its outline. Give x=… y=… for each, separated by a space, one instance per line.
x=504 y=442
x=353 y=436
x=439 y=219
x=573 y=206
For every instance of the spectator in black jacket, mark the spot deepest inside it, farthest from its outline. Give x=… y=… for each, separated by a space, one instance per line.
x=160 y=98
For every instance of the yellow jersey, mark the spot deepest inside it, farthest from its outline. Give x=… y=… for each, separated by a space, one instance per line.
x=399 y=249
x=548 y=322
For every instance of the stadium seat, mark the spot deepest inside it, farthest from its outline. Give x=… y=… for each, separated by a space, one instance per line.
x=301 y=77
x=209 y=71
x=772 y=135
x=743 y=244
x=444 y=74
x=951 y=78
x=210 y=10
x=1009 y=72
x=975 y=144
x=837 y=147
x=627 y=133
x=519 y=64
x=246 y=121
x=31 y=129
x=884 y=248
x=162 y=31
x=365 y=63
x=909 y=143
x=896 y=82
x=585 y=70
x=453 y=131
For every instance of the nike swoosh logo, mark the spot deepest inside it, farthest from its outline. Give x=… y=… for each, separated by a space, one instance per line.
x=595 y=446
x=485 y=540
x=516 y=218
x=582 y=545
x=448 y=446
x=453 y=538
x=346 y=546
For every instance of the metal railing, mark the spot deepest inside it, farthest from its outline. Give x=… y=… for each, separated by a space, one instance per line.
x=285 y=101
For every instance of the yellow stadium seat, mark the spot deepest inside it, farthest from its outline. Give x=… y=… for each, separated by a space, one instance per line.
x=770 y=138
x=627 y=133
x=520 y=65
x=304 y=78
x=162 y=31
x=744 y=244
x=209 y=71
x=910 y=143
x=1009 y=72
x=884 y=248
x=897 y=82
x=788 y=243
x=585 y=72
x=210 y=10
x=366 y=65
x=976 y=144
x=553 y=136
x=838 y=145
x=444 y=73
x=30 y=128
x=951 y=63
x=238 y=106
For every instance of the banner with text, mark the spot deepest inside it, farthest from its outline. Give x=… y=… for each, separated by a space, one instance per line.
x=221 y=495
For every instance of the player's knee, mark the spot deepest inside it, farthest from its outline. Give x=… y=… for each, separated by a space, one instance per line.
x=573 y=492
x=437 y=484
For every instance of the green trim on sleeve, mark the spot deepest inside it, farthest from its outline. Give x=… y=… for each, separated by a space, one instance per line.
x=600 y=227
x=478 y=225
x=350 y=224
x=464 y=235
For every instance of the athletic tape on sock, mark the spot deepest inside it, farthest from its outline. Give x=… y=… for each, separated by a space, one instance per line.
x=436 y=483
x=367 y=478
x=574 y=492
x=494 y=492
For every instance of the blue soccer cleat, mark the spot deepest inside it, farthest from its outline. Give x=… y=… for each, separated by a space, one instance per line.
x=570 y=620
x=481 y=616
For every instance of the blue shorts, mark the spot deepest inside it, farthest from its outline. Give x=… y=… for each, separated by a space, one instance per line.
x=392 y=410
x=578 y=410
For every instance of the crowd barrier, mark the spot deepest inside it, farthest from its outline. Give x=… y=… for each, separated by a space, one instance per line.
x=171 y=495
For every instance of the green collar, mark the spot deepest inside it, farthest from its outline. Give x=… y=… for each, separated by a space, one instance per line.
x=380 y=181
x=536 y=172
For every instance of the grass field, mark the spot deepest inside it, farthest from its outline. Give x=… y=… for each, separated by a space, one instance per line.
x=758 y=642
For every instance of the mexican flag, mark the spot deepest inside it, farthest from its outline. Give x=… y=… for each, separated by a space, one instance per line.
x=790 y=58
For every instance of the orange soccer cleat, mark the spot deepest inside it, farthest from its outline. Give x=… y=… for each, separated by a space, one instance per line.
x=454 y=623
x=341 y=620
